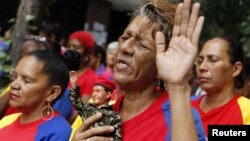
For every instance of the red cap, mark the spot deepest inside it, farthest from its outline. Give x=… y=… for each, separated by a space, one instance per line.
x=105 y=83
x=85 y=38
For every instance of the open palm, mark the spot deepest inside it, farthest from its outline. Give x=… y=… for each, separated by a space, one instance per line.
x=174 y=63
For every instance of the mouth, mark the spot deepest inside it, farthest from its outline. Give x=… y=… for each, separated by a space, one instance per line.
x=203 y=79
x=122 y=65
x=12 y=95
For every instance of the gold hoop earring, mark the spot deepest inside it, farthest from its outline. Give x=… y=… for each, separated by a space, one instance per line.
x=47 y=112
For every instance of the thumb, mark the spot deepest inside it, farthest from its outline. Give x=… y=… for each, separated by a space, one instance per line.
x=160 y=42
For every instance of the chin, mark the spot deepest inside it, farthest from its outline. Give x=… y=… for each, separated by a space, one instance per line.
x=121 y=80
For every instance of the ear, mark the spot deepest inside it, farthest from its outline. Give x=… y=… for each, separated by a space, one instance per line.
x=237 y=68
x=108 y=95
x=54 y=93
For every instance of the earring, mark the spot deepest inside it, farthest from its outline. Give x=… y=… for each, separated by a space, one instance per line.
x=161 y=85
x=47 y=112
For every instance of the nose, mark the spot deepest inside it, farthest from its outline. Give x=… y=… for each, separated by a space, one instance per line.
x=14 y=84
x=127 y=47
x=202 y=66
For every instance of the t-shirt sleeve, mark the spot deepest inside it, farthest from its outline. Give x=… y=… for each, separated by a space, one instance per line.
x=57 y=129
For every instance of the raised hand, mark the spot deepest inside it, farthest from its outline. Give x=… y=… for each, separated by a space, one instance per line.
x=73 y=79
x=174 y=63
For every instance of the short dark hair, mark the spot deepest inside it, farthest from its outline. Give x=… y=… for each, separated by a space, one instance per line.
x=236 y=53
x=54 y=67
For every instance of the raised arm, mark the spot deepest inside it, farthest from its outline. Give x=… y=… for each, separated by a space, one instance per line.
x=83 y=109
x=174 y=64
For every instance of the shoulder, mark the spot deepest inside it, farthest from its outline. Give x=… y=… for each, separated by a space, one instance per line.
x=55 y=129
x=89 y=72
x=7 y=120
x=56 y=123
x=244 y=104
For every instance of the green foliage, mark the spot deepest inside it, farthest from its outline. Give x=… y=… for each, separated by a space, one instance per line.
x=245 y=27
x=5 y=67
x=226 y=17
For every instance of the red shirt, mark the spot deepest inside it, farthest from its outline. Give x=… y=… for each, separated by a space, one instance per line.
x=236 y=111
x=86 y=82
x=150 y=125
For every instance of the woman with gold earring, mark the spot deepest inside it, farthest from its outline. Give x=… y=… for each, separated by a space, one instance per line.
x=37 y=83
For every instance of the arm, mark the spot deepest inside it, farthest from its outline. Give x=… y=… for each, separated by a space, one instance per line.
x=74 y=95
x=178 y=59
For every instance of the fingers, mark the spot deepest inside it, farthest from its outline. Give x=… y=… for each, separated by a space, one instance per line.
x=89 y=121
x=193 y=19
x=177 y=20
x=197 y=31
x=160 y=42
x=185 y=13
x=99 y=139
x=93 y=133
x=84 y=132
x=186 y=25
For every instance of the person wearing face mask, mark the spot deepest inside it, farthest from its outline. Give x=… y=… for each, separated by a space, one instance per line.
x=83 y=42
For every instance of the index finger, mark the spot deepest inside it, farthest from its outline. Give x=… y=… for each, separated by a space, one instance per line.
x=89 y=121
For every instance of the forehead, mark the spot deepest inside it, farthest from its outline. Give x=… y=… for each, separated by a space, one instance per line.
x=74 y=42
x=141 y=26
x=215 y=46
x=99 y=87
x=29 y=65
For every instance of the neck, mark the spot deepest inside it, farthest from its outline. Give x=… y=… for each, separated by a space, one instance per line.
x=135 y=102
x=81 y=70
x=215 y=99
x=27 y=118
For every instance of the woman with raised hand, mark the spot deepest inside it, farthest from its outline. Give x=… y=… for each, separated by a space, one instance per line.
x=150 y=50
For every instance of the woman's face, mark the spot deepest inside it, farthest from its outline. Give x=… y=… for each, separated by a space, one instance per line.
x=30 y=86
x=135 y=60
x=214 y=69
x=76 y=45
